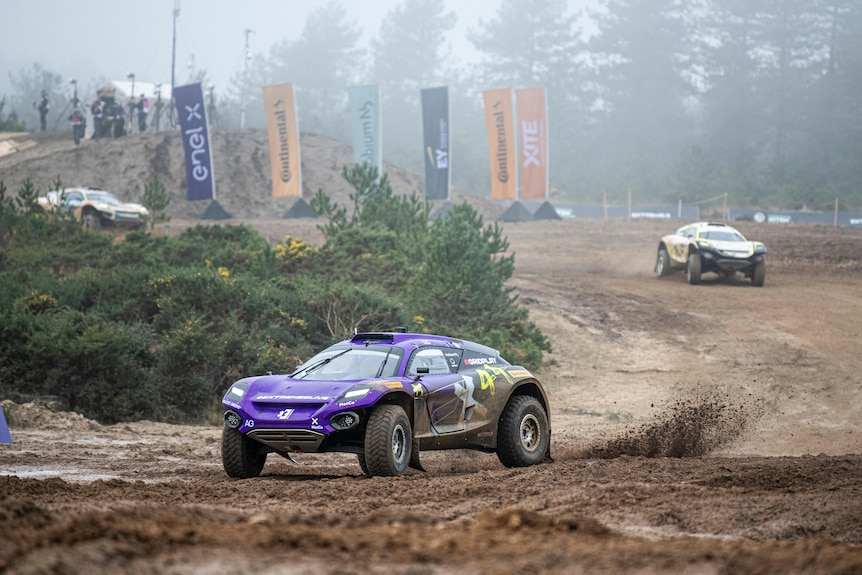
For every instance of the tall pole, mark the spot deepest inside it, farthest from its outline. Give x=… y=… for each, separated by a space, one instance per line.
x=244 y=80
x=131 y=104
x=174 y=49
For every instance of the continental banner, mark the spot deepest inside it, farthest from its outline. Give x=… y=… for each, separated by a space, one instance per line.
x=365 y=119
x=500 y=123
x=435 y=124
x=533 y=139
x=283 y=131
x=200 y=183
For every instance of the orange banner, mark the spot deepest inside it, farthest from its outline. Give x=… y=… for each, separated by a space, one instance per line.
x=533 y=137
x=500 y=124
x=281 y=125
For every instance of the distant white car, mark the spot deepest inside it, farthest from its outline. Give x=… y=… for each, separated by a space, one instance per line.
x=711 y=247
x=94 y=208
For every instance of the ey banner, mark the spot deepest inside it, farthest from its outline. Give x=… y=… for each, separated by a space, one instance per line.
x=533 y=139
x=500 y=124
x=435 y=124
x=200 y=183
x=365 y=120
x=281 y=125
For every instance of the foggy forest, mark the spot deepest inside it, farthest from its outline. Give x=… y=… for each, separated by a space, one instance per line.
x=667 y=100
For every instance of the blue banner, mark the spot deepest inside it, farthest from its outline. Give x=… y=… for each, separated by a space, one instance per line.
x=435 y=123
x=5 y=436
x=200 y=184
x=365 y=119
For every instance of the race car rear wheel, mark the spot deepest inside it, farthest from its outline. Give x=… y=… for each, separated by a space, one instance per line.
x=662 y=264
x=692 y=269
x=524 y=434
x=758 y=274
x=388 y=441
x=239 y=454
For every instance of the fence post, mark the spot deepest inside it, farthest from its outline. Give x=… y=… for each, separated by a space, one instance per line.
x=835 y=220
x=605 y=202
x=630 y=205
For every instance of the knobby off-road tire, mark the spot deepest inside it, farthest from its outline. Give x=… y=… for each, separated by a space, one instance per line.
x=362 y=464
x=524 y=434
x=662 y=264
x=692 y=269
x=388 y=441
x=758 y=274
x=91 y=222
x=239 y=455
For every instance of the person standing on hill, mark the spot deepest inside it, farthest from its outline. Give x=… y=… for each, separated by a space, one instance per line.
x=78 y=124
x=43 y=107
x=119 y=120
x=143 y=110
x=98 y=111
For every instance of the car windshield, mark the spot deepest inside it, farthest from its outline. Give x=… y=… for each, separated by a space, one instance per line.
x=338 y=363
x=104 y=197
x=722 y=235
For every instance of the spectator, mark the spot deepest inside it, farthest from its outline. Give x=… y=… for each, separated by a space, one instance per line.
x=119 y=120
x=78 y=125
x=98 y=112
x=43 y=107
x=108 y=118
x=143 y=110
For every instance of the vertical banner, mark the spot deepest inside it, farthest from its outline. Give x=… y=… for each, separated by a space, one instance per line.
x=365 y=119
x=200 y=183
x=282 y=128
x=435 y=124
x=533 y=139
x=5 y=436
x=500 y=124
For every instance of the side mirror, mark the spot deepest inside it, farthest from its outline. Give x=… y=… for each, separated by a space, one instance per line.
x=420 y=371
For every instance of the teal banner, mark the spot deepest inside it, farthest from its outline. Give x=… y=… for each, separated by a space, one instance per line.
x=365 y=120
x=435 y=124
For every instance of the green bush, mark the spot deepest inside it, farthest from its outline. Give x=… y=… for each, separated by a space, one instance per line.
x=158 y=328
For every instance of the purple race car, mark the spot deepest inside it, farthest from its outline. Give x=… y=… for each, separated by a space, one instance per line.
x=385 y=397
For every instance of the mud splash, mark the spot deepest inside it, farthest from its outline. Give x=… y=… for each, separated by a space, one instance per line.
x=691 y=427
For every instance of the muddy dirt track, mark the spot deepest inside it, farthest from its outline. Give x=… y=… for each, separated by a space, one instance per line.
x=696 y=429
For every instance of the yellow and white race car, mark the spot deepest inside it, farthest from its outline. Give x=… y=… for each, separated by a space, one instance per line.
x=704 y=247
x=94 y=208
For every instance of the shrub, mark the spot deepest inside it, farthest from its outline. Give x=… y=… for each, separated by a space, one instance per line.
x=158 y=328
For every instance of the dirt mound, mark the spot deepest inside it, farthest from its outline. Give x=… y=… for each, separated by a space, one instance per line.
x=240 y=164
x=35 y=415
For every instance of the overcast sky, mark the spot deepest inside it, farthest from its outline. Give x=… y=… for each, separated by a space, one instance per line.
x=93 y=39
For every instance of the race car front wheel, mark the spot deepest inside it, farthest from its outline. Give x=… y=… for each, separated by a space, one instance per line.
x=91 y=222
x=239 y=455
x=758 y=274
x=692 y=269
x=524 y=434
x=388 y=441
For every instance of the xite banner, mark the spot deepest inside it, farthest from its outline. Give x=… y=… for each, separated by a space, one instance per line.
x=533 y=139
